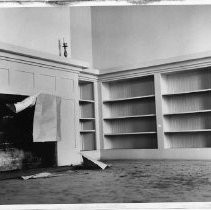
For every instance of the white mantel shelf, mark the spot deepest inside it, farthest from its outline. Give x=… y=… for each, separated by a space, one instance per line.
x=9 y=49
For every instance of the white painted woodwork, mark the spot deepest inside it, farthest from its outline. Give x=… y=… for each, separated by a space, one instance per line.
x=88 y=141
x=64 y=85
x=87 y=124
x=188 y=140
x=194 y=80
x=131 y=141
x=143 y=86
x=68 y=134
x=21 y=80
x=159 y=111
x=86 y=90
x=87 y=106
x=129 y=108
x=196 y=121
x=174 y=153
x=45 y=83
x=187 y=103
x=181 y=105
x=130 y=125
x=100 y=116
x=129 y=113
x=87 y=110
x=25 y=72
x=4 y=79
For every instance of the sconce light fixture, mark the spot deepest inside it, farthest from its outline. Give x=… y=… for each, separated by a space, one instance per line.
x=64 y=45
x=65 y=48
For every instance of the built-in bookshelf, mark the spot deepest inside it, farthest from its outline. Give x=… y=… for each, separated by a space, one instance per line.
x=129 y=117
x=187 y=108
x=87 y=115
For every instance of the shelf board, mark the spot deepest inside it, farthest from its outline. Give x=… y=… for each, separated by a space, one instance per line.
x=82 y=82
x=87 y=131
x=133 y=133
x=86 y=118
x=128 y=99
x=189 y=112
x=128 y=117
x=189 y=131
x=188 y=92
x=86 y=101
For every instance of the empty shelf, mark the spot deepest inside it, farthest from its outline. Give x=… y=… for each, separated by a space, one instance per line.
x=128 y=99
x=188 y=112
x=87 y=131
x=188 y=131
x=187 y=92
x=86 y=118
x=127 y=117
x=134 y=133
x=86 y=101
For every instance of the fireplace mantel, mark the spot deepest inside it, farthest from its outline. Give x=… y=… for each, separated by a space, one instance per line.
x=27 y=72
x=21 y=54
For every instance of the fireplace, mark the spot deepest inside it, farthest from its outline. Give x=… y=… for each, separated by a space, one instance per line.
x=17 y=149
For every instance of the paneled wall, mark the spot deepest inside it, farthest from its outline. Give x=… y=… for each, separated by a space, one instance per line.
x=24 y=76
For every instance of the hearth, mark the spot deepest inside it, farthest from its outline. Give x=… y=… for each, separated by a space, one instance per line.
x=17 y=149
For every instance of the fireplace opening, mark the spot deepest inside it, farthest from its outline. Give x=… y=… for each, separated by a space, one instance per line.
x=17 y=149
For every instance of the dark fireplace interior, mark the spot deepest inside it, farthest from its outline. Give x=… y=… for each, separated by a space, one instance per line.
x=16 y=138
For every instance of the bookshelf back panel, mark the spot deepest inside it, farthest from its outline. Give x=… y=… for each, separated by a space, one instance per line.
x=187 y=81
x=129 y=108
x=130 y=125
x=184 y=103
x=196 y=121
x=86 y=91
x=131 y=142
x=128 y=88
x=87 y=110
x=87 y=125
x=88 y=141
x=188 y=140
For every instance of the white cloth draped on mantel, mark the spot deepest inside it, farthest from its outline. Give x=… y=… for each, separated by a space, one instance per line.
x=47 y=122
x=47 y=119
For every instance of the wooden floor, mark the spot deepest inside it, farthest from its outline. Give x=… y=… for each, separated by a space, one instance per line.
x=142 y=181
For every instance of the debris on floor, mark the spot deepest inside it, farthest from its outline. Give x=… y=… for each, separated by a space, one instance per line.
x=87 y=164
x=17 y=174
x=90 y=163
x=39 y=175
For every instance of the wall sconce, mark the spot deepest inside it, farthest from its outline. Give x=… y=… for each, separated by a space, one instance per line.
x=65 y=48
x=64 y=45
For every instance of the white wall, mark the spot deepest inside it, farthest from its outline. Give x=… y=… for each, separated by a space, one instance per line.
x=110 y=36
x=125 y=35
x=35 y=28
x=81 y=33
